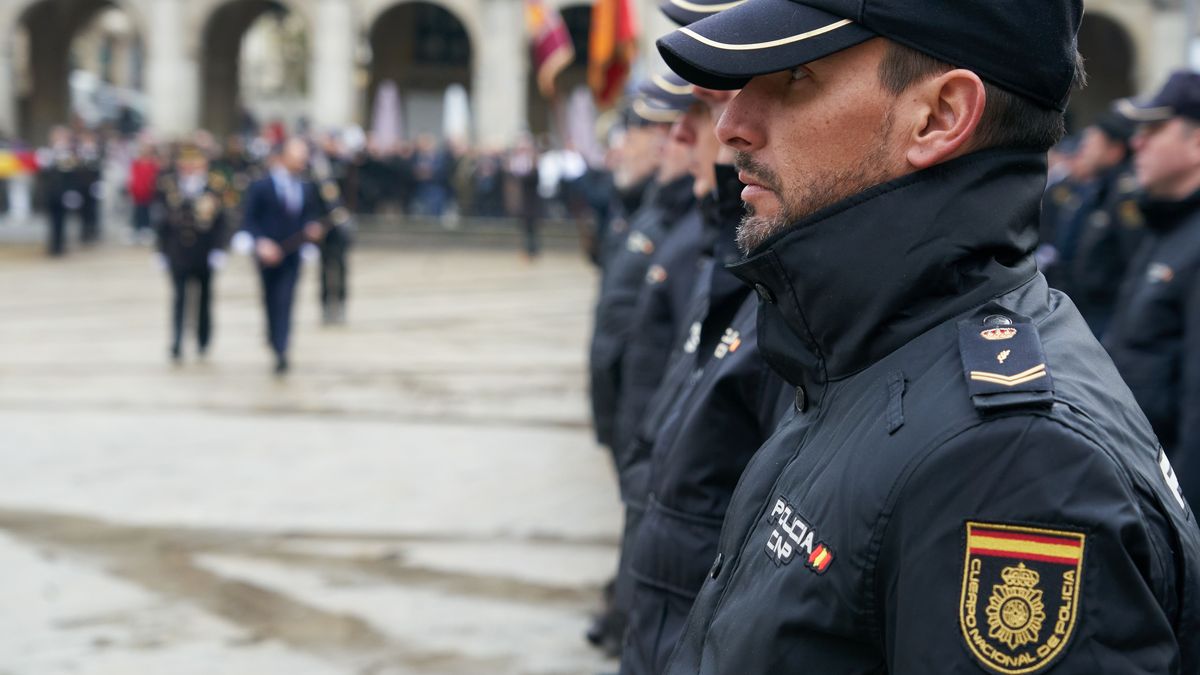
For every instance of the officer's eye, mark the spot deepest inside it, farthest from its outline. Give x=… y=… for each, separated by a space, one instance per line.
x=798 y=73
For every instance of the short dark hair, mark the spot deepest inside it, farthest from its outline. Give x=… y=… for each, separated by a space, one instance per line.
x=1009 y=120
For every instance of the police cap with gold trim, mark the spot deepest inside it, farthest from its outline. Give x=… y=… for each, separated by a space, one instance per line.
x=1027 y=47
x=1180 y=96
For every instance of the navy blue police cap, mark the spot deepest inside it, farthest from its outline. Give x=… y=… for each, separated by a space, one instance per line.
x=670 y=89
x=1179 y=97
x=645 y=111
x=1027 y=47
x=684 y=12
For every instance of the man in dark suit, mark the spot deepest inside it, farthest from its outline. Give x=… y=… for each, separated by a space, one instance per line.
x=282 y=213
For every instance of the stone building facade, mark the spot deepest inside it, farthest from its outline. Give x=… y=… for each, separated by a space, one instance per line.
x=191 y=52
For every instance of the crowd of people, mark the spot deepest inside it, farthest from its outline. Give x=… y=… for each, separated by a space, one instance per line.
x=852 y=424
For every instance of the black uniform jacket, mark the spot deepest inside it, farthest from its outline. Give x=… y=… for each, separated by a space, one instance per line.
x=718 y=404
x=967 y=487
x=623 y=277
x=659 y=317
x=189 y=229
x=1155 y=337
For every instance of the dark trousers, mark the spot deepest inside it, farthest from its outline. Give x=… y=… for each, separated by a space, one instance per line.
x=333 y=276
x=279 y=292
x=201 y=281
x=532 y=237
x=141 y=217
x=58 y=226
x=89 y=215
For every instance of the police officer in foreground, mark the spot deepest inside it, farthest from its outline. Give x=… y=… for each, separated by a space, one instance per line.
x=966 y=485
x=1155 y=336
x=191 y=223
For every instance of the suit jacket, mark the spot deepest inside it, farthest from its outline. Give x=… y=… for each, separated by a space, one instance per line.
x=266 y=215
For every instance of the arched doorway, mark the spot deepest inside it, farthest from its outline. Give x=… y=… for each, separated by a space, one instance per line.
x=423 y=50
x=1110 y=56
x=254 y=66
x=96 y=81
x=542 y=113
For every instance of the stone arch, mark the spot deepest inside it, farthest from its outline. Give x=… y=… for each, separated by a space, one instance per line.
x=422 y=47
x=44 y=100
x=220 y=50
x=1112 y=60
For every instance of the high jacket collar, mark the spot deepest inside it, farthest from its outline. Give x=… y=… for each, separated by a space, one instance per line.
x=675 y=198
x=852 y=283
x=1164 y=216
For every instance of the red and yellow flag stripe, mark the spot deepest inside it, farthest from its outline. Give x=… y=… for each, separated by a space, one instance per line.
x=1025 y=544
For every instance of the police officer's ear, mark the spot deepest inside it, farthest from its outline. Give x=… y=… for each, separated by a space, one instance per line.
x=938 y=117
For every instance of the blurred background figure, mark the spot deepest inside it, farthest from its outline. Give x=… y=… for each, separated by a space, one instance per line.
x=1154 y=338
x=190 y=220
x=522 y=191
x=280 y=215
x=143 y=183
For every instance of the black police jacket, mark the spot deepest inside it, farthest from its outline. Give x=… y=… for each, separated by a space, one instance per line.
x=659 y=317
x=1109 y=235
x=968 y=486
x=624 y=274
x=1155 y=336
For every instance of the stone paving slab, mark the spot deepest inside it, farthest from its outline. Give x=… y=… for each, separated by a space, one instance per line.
x=421 y=493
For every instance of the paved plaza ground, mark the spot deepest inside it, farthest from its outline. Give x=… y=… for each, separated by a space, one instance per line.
x=420 y=495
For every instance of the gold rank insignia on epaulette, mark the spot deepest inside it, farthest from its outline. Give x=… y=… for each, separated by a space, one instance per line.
x=1131 y=214
x=1020 y=595
x=1003 y=361
x=330 y=191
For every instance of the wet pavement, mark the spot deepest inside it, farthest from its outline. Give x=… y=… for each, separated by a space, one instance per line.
x=420 y=494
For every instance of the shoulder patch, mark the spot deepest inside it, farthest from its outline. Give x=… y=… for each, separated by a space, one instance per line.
x=1020 y=595
x=1004 y=363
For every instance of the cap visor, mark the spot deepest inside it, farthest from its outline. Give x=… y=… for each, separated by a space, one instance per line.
x=684 y=12
x=1143 y=113
x=757 y=37
x=677 y=96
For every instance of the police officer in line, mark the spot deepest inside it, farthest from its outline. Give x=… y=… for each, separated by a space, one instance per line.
x=191 y=223
x=648 y=157
x=1155 y=337
x=966 y=485
x=283 y=212
x=718 y=403
x=1106 y=224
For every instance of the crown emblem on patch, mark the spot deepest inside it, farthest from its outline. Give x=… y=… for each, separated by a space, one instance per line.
x=1003 y=333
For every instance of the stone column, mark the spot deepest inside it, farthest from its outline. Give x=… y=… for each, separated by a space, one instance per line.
x=331 y=75
x=173 y=78
x=8 y=92
x=500 y=73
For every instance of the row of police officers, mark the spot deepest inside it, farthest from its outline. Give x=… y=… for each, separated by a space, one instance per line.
x=855 y=429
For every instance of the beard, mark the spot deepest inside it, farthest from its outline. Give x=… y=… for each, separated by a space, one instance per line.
x=814 y=191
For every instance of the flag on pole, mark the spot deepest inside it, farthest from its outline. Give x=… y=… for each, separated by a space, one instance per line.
x=612 y=49
x=551 y=43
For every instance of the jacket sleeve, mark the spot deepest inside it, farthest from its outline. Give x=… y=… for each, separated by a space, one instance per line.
x=252 y=218
x=1020 y=546
x=1188 y=452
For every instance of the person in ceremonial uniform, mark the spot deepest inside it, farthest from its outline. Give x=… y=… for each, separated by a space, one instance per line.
x=335 y=252
x=192 y=229
x=965 y=484
x=58 y=167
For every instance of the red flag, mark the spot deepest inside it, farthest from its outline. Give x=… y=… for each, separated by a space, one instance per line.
x=612 y=49
x=551 y=43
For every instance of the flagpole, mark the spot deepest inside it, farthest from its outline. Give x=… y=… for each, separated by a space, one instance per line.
x=1192 y=15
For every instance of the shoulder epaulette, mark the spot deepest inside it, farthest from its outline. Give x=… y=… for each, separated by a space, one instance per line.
x=1004 y=363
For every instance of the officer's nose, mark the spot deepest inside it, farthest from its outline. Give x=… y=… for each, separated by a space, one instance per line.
x=740 y=127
